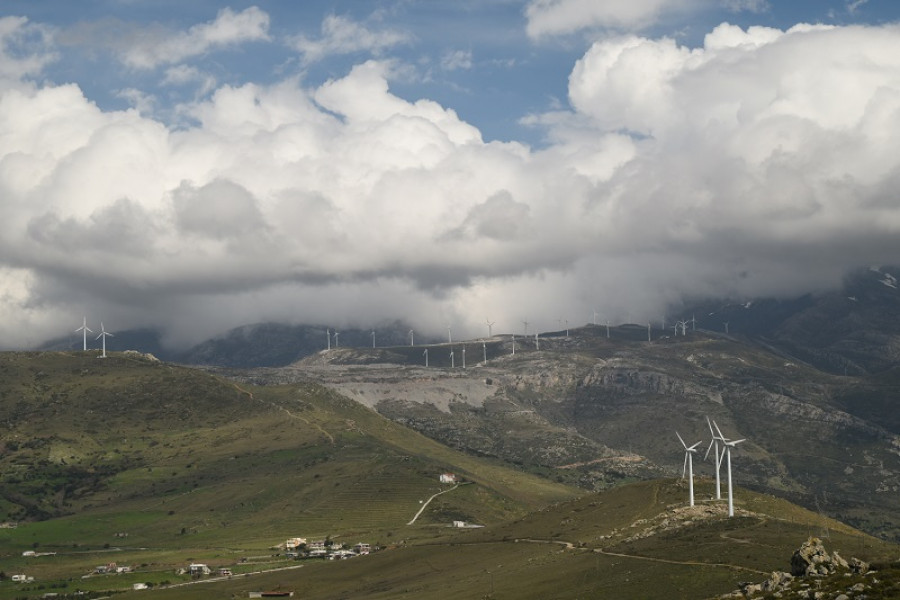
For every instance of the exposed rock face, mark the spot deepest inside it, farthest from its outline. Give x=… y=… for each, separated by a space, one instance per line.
x=811 y=560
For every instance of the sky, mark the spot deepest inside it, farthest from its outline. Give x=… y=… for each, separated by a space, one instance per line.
x=197 y=166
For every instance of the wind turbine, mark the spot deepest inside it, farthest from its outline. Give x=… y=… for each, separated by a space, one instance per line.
x=537 y=341
x=449 y=335
x=514 y=344
x=373 y=338
x=464 y=357
x=484 y=347
x=729 y=444
x=607 y=329
x=452 y=361
x=103 y=334
x=426 y=356
x=84 y=329
x=525 y=323
x=328 y=335
x=336 y=335
x=714 y=446
x=688 y=465
x=596 y=314
x=411 y=338
x=490 y=326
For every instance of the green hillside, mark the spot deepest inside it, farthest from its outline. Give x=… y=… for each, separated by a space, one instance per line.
x=634 y=541
x=140 y=462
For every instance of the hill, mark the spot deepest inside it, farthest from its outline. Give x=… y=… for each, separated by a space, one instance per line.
x=635 y=541
x=597 y=411
x=131 y=452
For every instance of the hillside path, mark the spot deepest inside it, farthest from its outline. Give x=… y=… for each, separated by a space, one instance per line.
x=425 y=504
x=289 y=413
x=690 y=563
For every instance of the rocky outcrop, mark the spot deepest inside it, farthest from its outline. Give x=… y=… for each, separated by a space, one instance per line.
x=811 y=567
x=812 y=560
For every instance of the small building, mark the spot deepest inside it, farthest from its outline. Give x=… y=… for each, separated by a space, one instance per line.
x=448 y=478
x=22 y=578
x=459 y=523
x=224 y=572
x=140 y=586
x=362 y=548
x=199 y=569
x=294 y=543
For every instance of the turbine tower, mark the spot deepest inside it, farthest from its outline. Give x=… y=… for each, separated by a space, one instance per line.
x=103 y=334
x=537 y=341
x=84 y=329
x=718 y=456
x=464 y=357
x=525 y=323
x=688 y=465
x=452 y=361
x=373 y=338
x=490 y=326
x=336 y=335
x=729 y=444
x=411 y=338
x=484 y=347
x=514 y=344
x=426 y=356
x=328 y=336
x=449 y=335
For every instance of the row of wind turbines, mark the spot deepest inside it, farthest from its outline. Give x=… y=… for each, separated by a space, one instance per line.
x=718 y=456
x=103 y=334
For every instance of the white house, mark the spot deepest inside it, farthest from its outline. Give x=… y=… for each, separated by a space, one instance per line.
x=448 y=478
x=199 y=569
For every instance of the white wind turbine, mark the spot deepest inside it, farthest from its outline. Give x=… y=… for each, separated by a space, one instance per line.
x=373 y=338
x=490 y=326
x=452 y=361
x=449 y=335
x=336 y=336
x=411 y=338
x=484 y=348
x=103 y=334
x=426 y=356
x=514 y=344
x=328 y=336
x=464 y=357
x=537 y=341
x=717 y=456
x=728 y=445
x=688 y=465
x=84 y=329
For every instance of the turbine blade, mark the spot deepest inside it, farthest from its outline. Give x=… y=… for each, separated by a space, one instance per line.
x=721 y=437
x=693 y=448
x=736 y=442
x=684 y=468
x=711 y=442
x=681 y=440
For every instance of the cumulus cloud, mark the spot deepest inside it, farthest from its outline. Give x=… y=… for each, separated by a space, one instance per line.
x=762 y=162
x=342 y=35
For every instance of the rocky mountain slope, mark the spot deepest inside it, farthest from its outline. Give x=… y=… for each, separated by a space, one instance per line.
x=596 y=411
